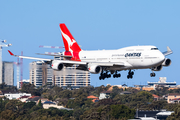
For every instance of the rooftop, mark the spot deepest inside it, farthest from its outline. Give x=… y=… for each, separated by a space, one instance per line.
x=23 y=97
x=176 y=99
x=172 y=94
x=155 y=96
x=48 y=102
x=33 y=98
x=92 y=96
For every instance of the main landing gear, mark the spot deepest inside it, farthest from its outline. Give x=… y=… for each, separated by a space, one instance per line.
x=130 y=74
x=116 y=75
x=106 y=75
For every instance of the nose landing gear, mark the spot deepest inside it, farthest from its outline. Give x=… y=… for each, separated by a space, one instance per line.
x=152 y=74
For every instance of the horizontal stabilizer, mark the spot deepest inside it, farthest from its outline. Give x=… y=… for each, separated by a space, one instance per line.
x=58 y=55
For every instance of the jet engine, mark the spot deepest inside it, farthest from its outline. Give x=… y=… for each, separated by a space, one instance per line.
x=167 y=62
x=95 y=69
x=157 y=68
x=57 y=66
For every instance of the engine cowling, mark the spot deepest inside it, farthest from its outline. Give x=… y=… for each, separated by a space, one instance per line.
x=95 y=69
x=157 y=68
x=167 y=62
x=57 y=66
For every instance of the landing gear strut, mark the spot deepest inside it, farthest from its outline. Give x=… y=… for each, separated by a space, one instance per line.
x=130 y=74
x=152 y=74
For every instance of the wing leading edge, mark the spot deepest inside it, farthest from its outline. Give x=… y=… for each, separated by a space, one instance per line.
x=103 y=64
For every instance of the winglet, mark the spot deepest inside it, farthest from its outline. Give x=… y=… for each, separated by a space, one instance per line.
x=10 y=53
x=168 y=52
x=168 y=49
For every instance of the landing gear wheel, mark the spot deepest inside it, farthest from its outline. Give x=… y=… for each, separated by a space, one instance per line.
x=116 y=75
x=129 y=76
x=132 y=73
x=104 y=75
x=152 y=74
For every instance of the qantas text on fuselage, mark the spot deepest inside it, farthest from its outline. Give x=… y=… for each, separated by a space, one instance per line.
x=107 y=62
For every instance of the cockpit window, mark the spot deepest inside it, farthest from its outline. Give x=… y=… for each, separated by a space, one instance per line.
x=154 y=48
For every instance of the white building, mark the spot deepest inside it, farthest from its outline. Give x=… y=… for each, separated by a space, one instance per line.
x=48 y=104
x=37 y=73
x=41 y=74
x=162 y=82
x=104 y=95
x=11 y=96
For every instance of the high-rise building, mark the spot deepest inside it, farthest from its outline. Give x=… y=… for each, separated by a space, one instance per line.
x=41 y=74
x=38 y=73
x=7 y=73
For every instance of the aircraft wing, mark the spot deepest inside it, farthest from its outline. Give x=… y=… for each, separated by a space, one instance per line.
x=168 y=52
x=26 y=57
x=103 y=64
x=44 y=59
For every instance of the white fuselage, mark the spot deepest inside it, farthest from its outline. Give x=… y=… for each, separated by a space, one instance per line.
x=134 y=57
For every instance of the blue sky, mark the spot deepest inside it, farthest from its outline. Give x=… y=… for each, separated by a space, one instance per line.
x=95 y=25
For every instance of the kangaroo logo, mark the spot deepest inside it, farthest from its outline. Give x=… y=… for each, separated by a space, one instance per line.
x=69 y=40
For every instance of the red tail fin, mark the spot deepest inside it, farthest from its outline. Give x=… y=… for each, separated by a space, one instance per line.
x=69 y=42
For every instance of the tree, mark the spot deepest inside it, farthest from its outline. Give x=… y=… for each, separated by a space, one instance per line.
x=29 y=105
x=50 y=97
x=115 y=91
x=77 y=113
x=39 y=103
x=175 y=115
x=7 y=114
x=30 y=88
x=65 y=94
x=122 y=111
x=157 y=105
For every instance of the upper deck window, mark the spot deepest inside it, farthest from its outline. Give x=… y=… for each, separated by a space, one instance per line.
x=154 y=48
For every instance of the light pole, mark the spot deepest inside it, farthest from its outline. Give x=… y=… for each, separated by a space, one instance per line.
x=2 y=44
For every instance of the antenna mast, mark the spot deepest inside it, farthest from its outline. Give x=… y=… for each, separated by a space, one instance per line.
x=21 y=68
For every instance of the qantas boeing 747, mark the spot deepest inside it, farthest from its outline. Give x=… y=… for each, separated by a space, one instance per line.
x=107 y=62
